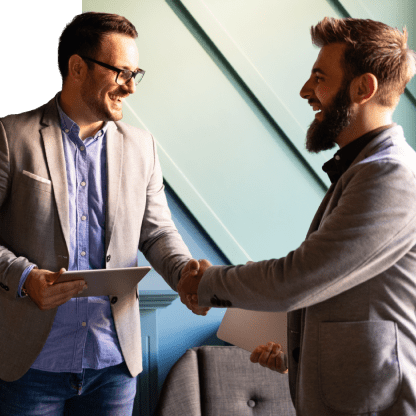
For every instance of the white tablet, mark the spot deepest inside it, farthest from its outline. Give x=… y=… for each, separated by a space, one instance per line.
x=107 y=282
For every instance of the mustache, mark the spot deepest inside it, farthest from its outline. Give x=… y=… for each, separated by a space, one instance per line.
x=119 y=93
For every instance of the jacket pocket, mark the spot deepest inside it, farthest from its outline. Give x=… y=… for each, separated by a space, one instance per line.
x=359 y=369
x=32 y=200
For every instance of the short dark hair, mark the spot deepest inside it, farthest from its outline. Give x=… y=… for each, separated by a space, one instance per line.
x=371 y=47
x=84 y=35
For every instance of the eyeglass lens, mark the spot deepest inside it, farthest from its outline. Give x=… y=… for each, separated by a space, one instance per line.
x=125 y=76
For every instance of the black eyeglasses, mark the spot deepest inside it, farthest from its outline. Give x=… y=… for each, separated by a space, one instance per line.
x=123 y=75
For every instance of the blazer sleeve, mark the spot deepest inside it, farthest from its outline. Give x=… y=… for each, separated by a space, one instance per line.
x=372 y=226
x=11 y=266
x=160 y=241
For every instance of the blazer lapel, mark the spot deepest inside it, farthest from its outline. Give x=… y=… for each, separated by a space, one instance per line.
x=114 y=176
x=55 y=157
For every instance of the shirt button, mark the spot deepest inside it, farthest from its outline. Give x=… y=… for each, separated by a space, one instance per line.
x=82 y=148
x=100 y=133
x=114 y=300
x=66 y=130
x=83 y=253
x=83 y=183
x=337 y=157
x=83 y=218
x=84 y=324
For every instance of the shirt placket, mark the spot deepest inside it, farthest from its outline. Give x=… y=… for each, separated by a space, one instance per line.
x=82 y=248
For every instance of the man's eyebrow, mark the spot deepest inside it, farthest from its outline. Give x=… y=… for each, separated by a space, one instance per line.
x=315 y=70
x=128 y=69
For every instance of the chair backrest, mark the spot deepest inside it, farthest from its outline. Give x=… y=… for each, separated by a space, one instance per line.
x=213 y=381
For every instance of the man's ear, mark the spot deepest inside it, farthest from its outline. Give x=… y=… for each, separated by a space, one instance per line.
x=76 y=68
x=363 y=88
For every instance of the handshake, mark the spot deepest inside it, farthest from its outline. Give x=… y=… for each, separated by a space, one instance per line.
x=189 y=282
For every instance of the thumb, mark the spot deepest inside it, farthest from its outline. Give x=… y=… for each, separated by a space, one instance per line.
x=51 y=278
x=193 y=265
x=204 y=264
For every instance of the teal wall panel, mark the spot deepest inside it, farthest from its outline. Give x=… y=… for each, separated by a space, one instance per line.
x=225 y=156
x=29 y=39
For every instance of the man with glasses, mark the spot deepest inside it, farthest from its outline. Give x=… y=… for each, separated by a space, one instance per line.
x=79 y=190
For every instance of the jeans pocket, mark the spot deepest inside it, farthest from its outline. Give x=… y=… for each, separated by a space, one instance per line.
x=359 y=369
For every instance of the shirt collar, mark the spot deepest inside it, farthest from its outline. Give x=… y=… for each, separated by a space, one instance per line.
x=69 y=126
x=343 y=159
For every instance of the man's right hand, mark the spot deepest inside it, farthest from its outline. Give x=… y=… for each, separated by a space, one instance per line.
x=45 y=293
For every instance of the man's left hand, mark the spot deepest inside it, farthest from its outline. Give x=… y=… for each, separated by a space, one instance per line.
x=188 y=285
x=270 y=356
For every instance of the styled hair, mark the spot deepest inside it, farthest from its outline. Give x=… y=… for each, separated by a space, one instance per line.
x=371 y=47
x=85 y=33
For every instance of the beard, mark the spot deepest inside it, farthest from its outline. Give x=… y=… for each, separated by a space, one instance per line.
x=322 y=135
x=98 y=106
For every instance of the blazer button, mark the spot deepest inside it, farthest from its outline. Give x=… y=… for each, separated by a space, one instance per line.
x=108 y=258
x=114 y=300
x=251 y=403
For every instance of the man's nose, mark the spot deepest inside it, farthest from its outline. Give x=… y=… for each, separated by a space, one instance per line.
x=306 y=90
x=130 y=86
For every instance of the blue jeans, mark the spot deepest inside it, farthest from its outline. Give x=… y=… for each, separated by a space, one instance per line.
x=106 y=392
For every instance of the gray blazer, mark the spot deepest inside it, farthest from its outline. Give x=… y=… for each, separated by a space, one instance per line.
x=350 y=289
x=34 y=227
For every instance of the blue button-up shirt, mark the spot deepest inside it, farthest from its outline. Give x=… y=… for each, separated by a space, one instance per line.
x=83 y=334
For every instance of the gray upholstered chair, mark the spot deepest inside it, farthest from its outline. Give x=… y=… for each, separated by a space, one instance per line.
x=221 y=381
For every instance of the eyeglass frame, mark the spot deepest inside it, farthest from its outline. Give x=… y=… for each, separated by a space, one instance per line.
x=118 y=70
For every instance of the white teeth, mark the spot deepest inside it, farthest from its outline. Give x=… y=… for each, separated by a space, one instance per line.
x=115 y=97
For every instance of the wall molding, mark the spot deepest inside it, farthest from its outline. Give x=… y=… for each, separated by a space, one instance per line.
x=156 y=299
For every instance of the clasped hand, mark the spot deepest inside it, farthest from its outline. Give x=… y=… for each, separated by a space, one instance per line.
x=188 y=285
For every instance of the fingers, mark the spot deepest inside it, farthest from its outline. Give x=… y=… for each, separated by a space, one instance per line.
x=191 y=268
x=60 y=293
x=203 y=265
x=255 y=355
x=267 y=356
x=270 y=356
x=47 y=294
x=192 y=304
x=188 y=285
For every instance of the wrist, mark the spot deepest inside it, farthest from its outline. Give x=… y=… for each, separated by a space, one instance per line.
x=26 y=284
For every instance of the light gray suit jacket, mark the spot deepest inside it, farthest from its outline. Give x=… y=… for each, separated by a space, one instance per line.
x=352 y=287
x=34 y=227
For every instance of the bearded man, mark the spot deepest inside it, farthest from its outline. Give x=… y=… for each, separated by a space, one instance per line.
x=350 y=288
